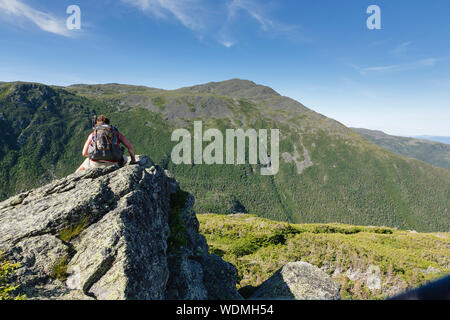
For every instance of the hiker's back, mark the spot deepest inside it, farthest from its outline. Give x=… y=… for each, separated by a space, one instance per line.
x=105 y=145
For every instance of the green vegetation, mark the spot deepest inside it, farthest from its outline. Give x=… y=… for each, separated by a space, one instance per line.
x=6 y=270
x=59 y=269
x=72 y=231
x=435 y=153
x=258 y=247
x=159 y=102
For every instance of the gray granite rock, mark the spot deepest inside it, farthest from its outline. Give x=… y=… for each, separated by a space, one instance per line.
x=120 y=247
x=299 y=281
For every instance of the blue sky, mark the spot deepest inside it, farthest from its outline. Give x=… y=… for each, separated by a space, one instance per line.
x=320 y=53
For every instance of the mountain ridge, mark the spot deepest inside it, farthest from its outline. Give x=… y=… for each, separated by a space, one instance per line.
x=441 y=139
x=433 y=152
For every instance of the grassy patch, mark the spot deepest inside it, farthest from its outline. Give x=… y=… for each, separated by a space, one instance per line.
x=59 y=269
x=73 y=231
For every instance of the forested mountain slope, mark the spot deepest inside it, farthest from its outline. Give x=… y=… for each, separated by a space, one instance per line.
x=435 y=153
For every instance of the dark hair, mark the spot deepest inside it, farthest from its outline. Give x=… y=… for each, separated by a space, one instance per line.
x=102 y=120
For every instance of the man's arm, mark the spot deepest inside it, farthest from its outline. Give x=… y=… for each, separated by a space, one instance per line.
x=129 y=147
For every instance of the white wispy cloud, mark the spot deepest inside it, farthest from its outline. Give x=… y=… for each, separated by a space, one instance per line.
x=260 y=12
x=213 y=18
x=236 y=7
x=45 y=21
x=188 y=12
x=380 y=68
x=401 y=48
x=254 y=9
x=430 y=62
x=228 y=43
x=423 y=63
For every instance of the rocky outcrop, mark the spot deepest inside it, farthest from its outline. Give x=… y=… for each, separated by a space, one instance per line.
x=113 y=233
x=299 y=281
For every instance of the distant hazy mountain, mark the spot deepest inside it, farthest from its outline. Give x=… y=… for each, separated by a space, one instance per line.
x=328 y=173
x=435 y=138
x=433 y=152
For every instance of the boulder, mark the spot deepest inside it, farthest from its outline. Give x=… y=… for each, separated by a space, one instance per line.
x=298 y=281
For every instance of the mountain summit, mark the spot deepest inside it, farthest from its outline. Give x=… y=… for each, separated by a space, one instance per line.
x=234 y=88
x=112 y=233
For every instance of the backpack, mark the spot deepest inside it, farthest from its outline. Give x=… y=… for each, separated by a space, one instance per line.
x=105 y=144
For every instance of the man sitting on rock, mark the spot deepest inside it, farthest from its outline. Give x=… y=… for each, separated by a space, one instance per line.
x=102 y=147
